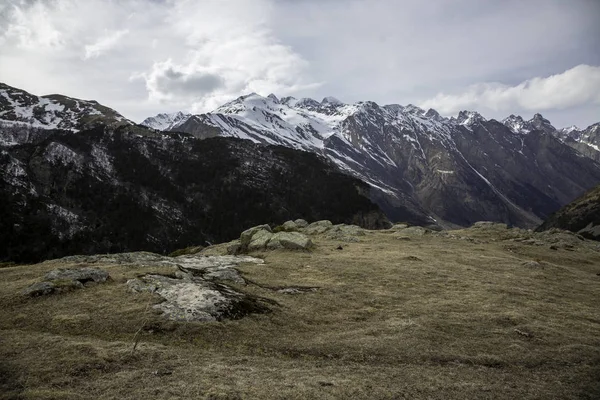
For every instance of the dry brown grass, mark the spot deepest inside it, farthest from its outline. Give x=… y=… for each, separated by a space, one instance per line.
x=429 y=317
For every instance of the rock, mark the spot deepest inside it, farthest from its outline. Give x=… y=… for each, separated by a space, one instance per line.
x=259 y=240
x=414 y=231
x=234 y=247
x=489 y=225
x=221 y=268
x=318 y=227
x=39 y=289
x=345 y=233
x=301 y=223
x=194 y=299
x=246 y=236
x=81 y=275
x=290 y=240
x=397 y=227
x=532 y=264
x=289 y=226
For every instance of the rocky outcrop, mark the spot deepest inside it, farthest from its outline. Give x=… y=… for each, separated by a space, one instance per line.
x=191 y=298
x=262 y=237
x=318 y=227
x=61 y=280
x=581 y=216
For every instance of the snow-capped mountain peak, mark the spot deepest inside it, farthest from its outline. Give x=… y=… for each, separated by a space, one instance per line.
x=18 y=107
x=165 y=121
x=468 y=118
x=332 y=101
x=516 y=124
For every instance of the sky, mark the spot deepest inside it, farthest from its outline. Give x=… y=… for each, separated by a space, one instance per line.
x=142 y=57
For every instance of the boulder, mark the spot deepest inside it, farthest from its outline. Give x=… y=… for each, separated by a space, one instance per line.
x=301 y=223
x=259 y=240
x=289 y=226
x=39 y=289
x=414 y=231
x=246 y=236
x=215 y=268
x=345 y=233
x=489 y=225
x=194 y=299
x=82 y=275
x=318 y=227
x=290 y=240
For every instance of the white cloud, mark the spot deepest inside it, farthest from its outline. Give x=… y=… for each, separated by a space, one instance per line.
x=103 y=44
x=196 y=55
x=578 y=86
x=230 y=54
x=29 y=27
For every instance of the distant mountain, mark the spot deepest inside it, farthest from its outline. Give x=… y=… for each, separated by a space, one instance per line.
x=586 y=141
x=423 y=167
x=165 y=122
x=581 y=215
x=18 y=107
x=130 y=188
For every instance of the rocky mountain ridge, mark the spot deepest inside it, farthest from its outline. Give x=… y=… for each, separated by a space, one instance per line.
x=457 y=170
x=18 y=107
x=581 y=216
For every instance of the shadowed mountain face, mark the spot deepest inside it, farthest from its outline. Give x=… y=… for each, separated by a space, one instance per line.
x=423 y=167
x=113 y=190
x=581 y=216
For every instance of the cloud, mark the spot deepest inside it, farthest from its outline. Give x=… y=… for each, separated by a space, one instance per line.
x=578 y=86
x=195 y=55
x=103 y=44
x=29 y=27
x=167 y=81
x=232 y=53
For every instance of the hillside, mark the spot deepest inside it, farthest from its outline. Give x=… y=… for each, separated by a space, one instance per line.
x=113 y=190
x=480 y=313
x=581 y=216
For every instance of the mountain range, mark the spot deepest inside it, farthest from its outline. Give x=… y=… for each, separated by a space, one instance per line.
x=424 y=168
x=69 y=168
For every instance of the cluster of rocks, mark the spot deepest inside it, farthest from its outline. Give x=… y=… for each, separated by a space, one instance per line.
x=61 y=280
x=291 y=235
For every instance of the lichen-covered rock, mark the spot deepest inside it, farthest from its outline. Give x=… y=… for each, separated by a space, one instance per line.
x=259 y=240
x=301 y=223
x=489 y=225
x=290 y=240
x=318 y=227
x=194 y=299
x=414 y=231
x=81 y=275
x=345 y=233
x=248 y=234
x=39 y=289
x=221 y=268
x=289 y=226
